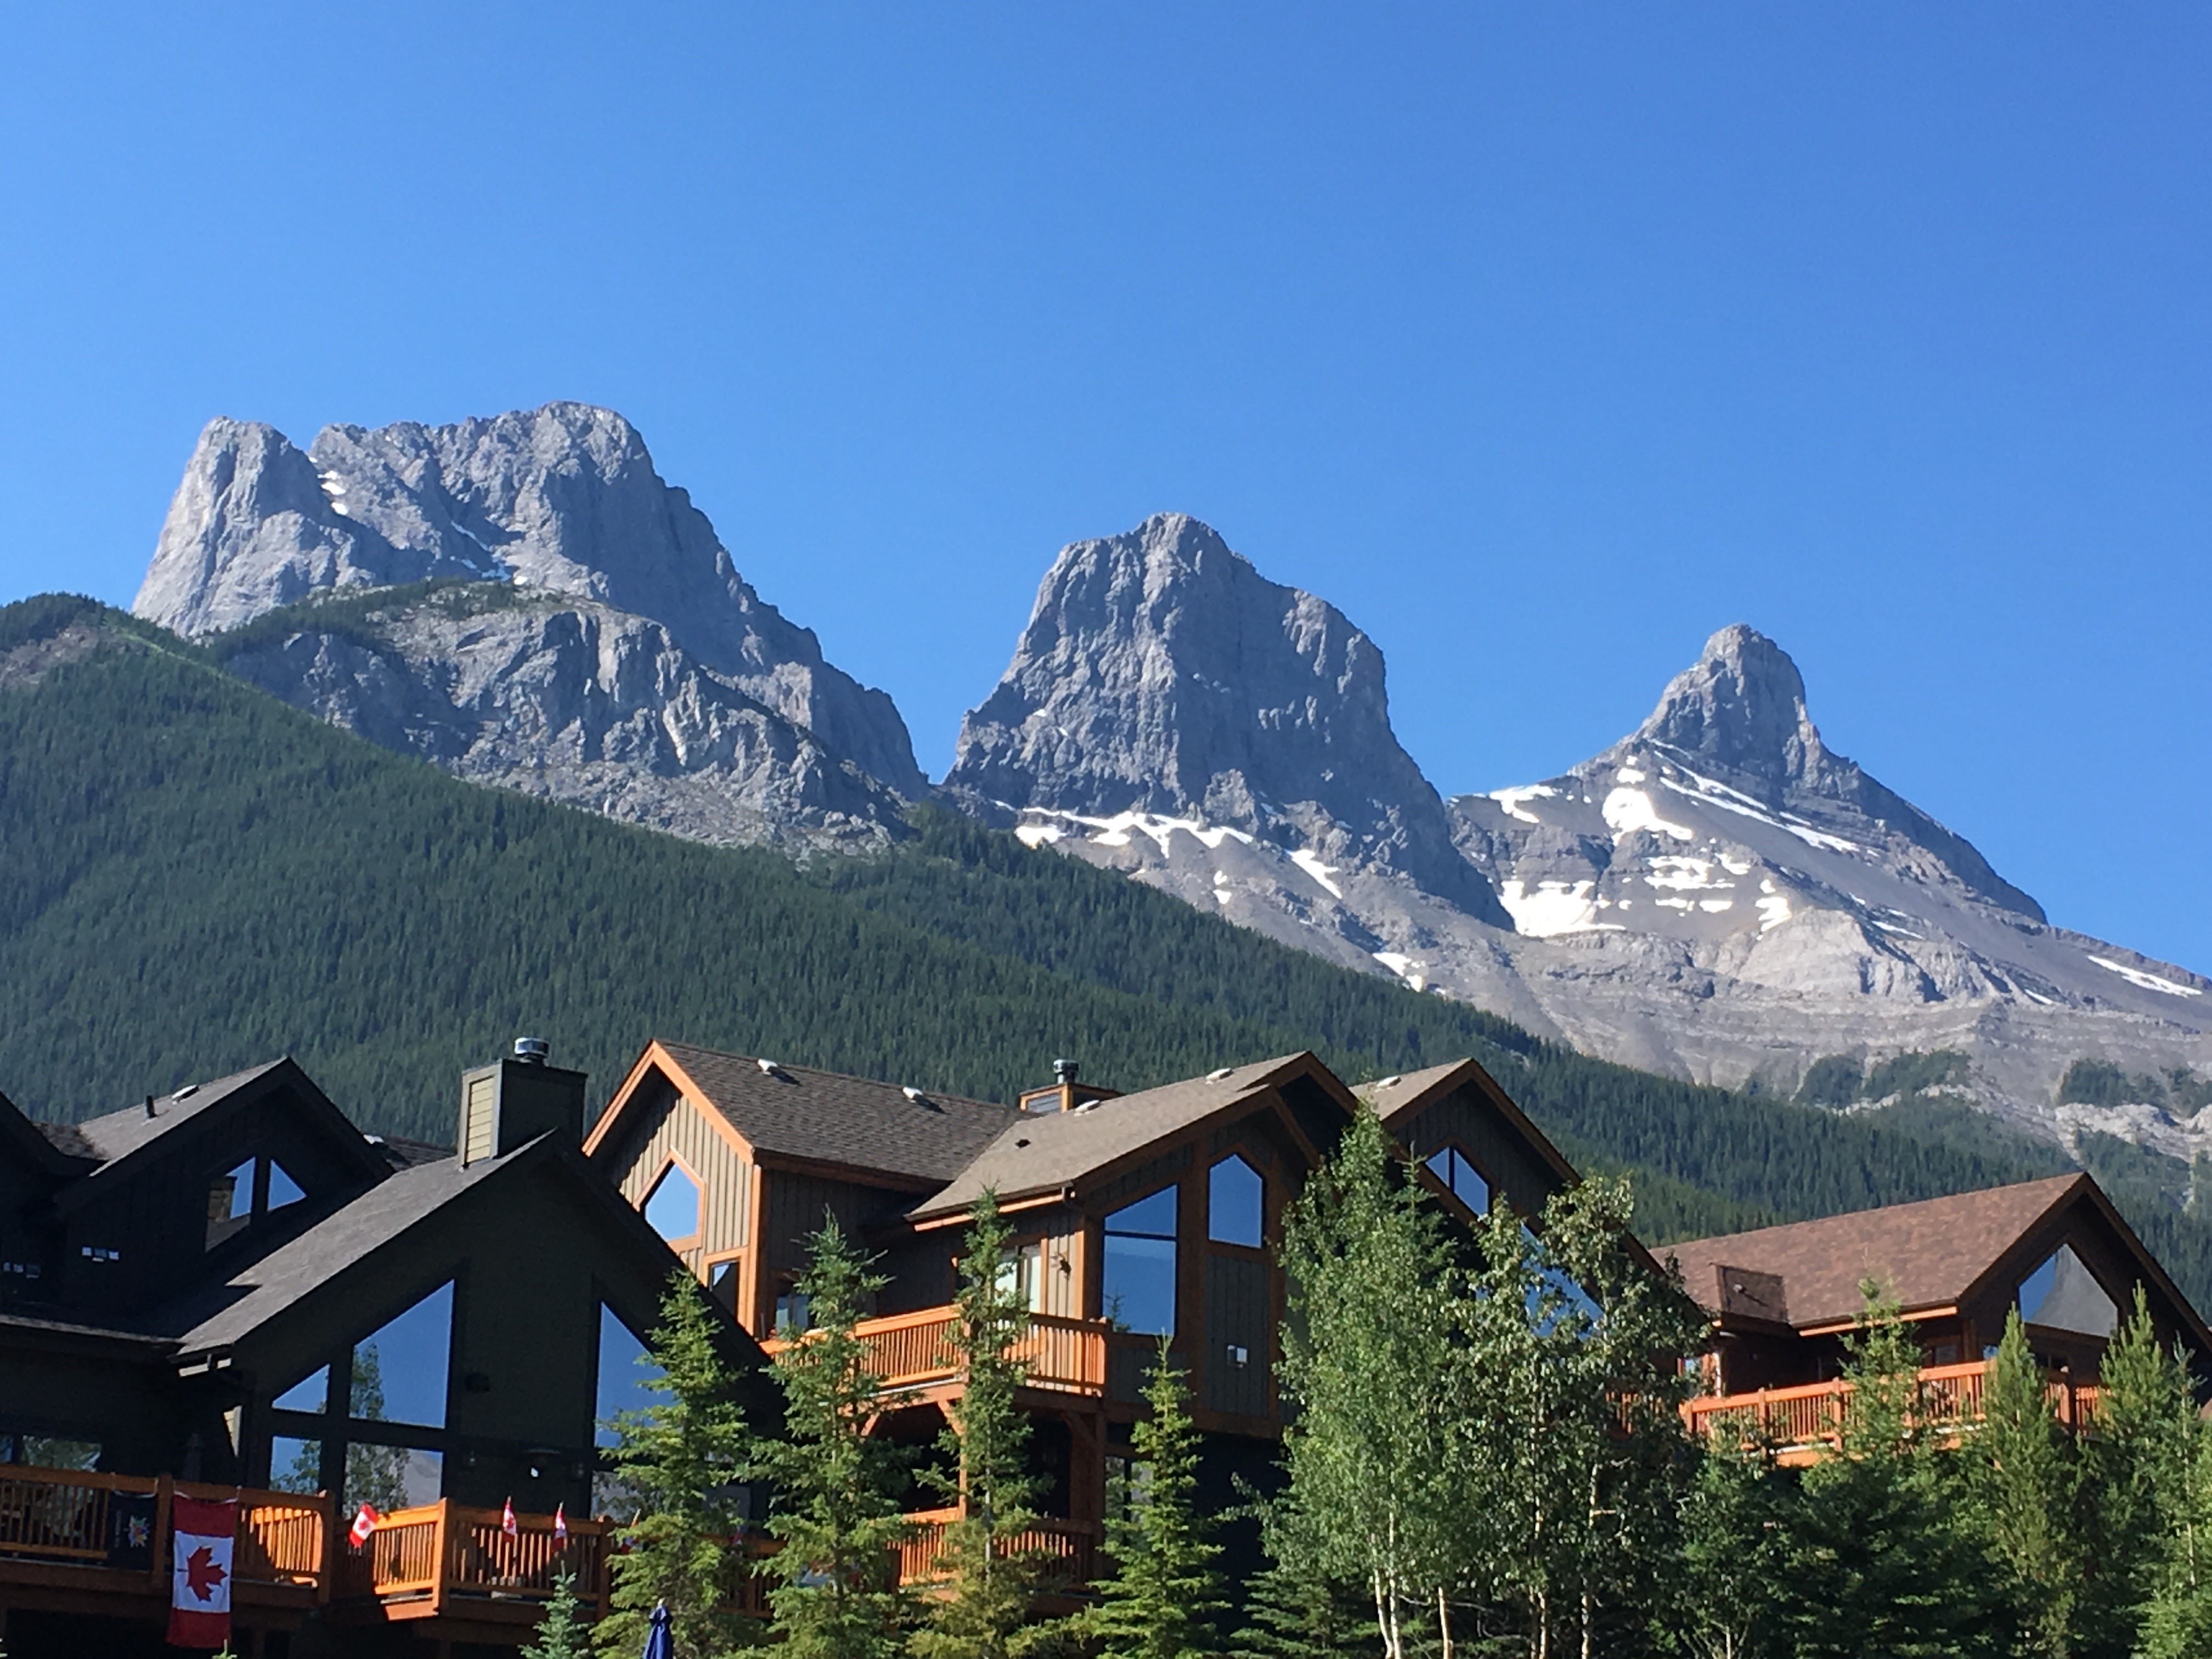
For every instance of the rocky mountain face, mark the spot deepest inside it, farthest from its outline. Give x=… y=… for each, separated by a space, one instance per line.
x=1719 y=895
x=1164 y=686
x=644 y=677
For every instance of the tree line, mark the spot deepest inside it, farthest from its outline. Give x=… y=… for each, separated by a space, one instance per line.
x=1485 y=1455
x=203 y=878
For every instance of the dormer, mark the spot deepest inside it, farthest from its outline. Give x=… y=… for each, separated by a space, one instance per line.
x=207 y=1178
x=1064 y=1093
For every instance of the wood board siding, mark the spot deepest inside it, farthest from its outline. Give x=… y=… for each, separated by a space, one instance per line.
x=1240 y=1315
x=1506 y=1161
x=677 y=1127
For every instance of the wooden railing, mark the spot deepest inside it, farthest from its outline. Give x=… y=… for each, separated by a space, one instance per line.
x=1068 y=1549
x=81 y=1518
x=1799 y=1421
x=424 y=1559
x=914 y=1350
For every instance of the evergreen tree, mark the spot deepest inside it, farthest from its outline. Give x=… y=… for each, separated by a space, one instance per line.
x=835 y=1510
x=1294 y=1615
x=1886 y=1563
x=2137 y=1459
x=1163 y=1598
x=1738 y=1529
x=2176 y=1620
x=683 y=1456
x=988 y=1574
x=2025 y=1479
x=561 y=1633
x=1375 y=1491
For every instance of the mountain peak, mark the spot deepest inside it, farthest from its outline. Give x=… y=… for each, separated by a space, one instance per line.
x=1161 y=673
x=1740 y=708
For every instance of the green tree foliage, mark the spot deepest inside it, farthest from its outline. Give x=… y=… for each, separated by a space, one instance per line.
x=1567 y=1388
x=2100 y=1083
x=683 y=1456
x=1887 y=1561
x=1833 y=1080
x=563 y=1632
x=1293 y=1613
x=1163 y=1599
x=835 y=1511
x=2024 y=1472
x=1740 y=1518
x=201 y=879
x=980 y=1609
x=2140 y=1463
x=1376 y=1474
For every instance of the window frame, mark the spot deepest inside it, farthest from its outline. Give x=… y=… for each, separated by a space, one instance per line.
x=1107 y=1235
x=1214 y=1242
x=1453 y=1148
x=696 y=1236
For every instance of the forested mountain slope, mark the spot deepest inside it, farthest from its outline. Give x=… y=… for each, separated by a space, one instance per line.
x=200 y=878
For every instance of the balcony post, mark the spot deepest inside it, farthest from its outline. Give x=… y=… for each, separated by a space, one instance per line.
x=159 y=1552
x=441 y=1556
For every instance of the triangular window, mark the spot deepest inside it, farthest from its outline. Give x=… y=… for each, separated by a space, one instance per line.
x=282 y=1189
x=1461 y=1179
x=2062 y=1295
x=230 y=1203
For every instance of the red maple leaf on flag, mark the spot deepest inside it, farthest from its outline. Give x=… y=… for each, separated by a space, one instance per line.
x=203 y=1573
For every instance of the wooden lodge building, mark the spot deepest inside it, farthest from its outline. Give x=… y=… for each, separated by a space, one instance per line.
x=231 y=1292
x=1135 y=1217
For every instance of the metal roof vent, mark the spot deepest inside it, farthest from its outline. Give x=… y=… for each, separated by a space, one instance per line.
x=913 y=1093
x=1063 y=1071
x=769 y=1066
x=1390 y=1082
x=532 y=1051
x=1216 y=1077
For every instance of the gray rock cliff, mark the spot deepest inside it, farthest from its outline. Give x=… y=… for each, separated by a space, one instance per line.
x=1161 y=675
x=562 y=499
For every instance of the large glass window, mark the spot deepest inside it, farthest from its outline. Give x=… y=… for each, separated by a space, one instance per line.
x=310 y=1394
x=629 y=1381
x=1556 y=1299
x=1235 y=1203
x=400 y=1373
x=1140 y=1288
x=282 y=1189
x=1461 y=1179
x=295 y=1464
x=2062 y=1295
x=672 y=1206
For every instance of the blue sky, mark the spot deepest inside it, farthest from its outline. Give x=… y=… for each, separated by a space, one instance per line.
x=1542 y=340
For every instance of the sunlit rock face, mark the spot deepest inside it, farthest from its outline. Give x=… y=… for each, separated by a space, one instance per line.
x=562 y=504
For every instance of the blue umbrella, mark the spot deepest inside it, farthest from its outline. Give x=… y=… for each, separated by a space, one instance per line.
x=661 y=1641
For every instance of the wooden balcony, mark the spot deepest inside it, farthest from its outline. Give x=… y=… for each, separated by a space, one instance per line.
x=76 y=1541
x=444 y=1560
x=1799 y=1423
x=1068 y=1549
x=913 y=1350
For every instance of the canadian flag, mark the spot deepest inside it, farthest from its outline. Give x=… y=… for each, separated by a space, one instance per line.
x=201 y=1533
x=561 y=1523
x=506 y=1521
x=364 y=1525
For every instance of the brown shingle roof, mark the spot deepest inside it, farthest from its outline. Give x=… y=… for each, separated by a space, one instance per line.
x=1929 y=1255
x=827 y=1117
x=1040 y=1153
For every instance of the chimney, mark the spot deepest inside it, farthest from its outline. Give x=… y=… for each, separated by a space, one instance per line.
x=1064 y=1094
x=517 y=1099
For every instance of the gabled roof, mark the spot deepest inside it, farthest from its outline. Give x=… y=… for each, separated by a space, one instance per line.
x=1929 y=1255
x=1398 y=1100
x=1043 y=1152
x=340 y=1252
x=120 y=1139
x=825 y=1117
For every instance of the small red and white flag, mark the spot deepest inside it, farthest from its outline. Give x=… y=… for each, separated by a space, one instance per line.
x=506 y=1521
x=203 y=1532
x=560 y=1523
x=364 y=1523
